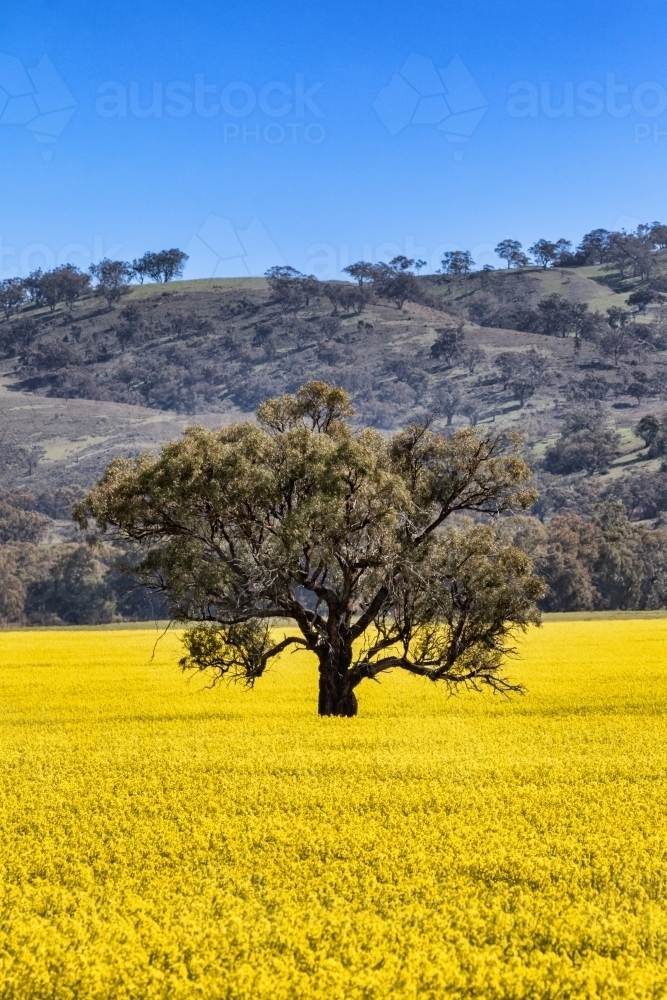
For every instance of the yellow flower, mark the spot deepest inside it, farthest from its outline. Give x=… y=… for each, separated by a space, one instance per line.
x=161 y=841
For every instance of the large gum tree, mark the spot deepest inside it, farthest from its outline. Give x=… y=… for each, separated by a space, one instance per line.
x=357 y=539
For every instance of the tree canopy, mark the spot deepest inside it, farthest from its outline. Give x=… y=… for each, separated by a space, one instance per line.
x=343 y=532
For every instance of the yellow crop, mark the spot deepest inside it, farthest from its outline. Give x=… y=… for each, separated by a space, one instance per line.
x=158 y=840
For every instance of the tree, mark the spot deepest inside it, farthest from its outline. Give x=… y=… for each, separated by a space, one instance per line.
x=658 y=233
x=12 y=296
x=641 y=299
x=349 y=298
x=51 y=289
x=522 y=372
x=564 y=256
x=510 y=365
x=401 y=263
x=557 y=316
x=448 y=401
x=140 y=268
x=72 y=284
x=457 y=262
x=363 y=272
x=544 y=252
x=419 y=264
x=585 y=444
x=399 y=286
x=472 y=410
x=113 y=279
x=510 y=251
x=165 y=265
x=342 y=532
x=449 y=343
x=473 y=356
x=639 y=387
x=33 y=287
x=654 y=432
x=291 y=289
x=594 y=247
x=615 y=342
x=633 y=250
x=617 y=317
x=21 y=334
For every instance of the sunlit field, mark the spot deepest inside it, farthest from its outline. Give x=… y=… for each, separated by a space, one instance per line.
x=160 y=840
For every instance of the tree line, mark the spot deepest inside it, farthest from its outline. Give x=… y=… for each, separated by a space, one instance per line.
x=628 y=253
x=108 y=278
x=394 y=282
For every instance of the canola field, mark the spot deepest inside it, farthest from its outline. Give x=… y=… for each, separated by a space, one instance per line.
x=159 y=841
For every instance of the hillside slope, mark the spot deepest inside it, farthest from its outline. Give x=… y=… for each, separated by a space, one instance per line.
x=95 y=381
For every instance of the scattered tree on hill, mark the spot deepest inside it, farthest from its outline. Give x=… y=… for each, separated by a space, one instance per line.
x=594 y=247
x=398 y=287
x=473 y=357
x=73 y=284
x=511 y=252
x=363 y=272
x=472 y=409
x=564 y=256
x=457 y=262
x=140 y=268
x=291 y=289
x=449 y=343
x=617 y=317
x=33 y=287
x=346 y=297
x=544 y=252
x=641 y=299
x=448 y=401
x=165 y=265
x=342 y=532
x=615 y=342
x=510 y=365
x=586 y=444
x=63 y=284
x=631 y=250
x=653 y=430
x=639 y=386
x=395 y=282
x=12 y=296
x=522 y=372
x=401 y=263
x=113 y=279
x=20 y=334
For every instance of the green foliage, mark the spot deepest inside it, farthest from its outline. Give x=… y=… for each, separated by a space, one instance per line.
x=600 y=562
x=653 y=430
x=585 y=444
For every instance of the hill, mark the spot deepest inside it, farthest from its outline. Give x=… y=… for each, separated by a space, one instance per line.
x=80 y=385
x=96 y=381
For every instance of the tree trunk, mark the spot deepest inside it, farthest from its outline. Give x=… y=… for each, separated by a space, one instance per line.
x=336 y=696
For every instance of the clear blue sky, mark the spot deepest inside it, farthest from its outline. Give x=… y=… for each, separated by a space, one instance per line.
x=316 y=134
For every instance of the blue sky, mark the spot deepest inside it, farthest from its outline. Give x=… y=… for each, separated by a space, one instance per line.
x=316 y=134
